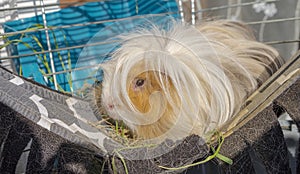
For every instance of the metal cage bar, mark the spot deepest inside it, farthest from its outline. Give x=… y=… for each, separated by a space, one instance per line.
x=196 y=9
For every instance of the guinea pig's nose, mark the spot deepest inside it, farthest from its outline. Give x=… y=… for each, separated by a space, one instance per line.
x=110 y=106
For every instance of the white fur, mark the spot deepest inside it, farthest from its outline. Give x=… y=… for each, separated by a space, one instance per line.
x=213 y=67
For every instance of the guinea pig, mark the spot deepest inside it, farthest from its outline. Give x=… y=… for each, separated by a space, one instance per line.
x=171 y=83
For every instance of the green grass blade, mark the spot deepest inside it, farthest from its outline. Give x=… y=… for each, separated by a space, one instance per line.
x=123 y=162
x=214 y=155
x=225 y=159
x=114 y=165
x=43 y=57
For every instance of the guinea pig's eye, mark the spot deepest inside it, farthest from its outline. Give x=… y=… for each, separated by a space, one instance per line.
x=139 y=82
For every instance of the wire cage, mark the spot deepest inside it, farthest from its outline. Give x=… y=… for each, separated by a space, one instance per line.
x=63 y=29
x=42 y=42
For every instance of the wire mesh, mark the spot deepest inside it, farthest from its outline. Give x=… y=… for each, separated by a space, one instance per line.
x=275 y=22
x=190 y=11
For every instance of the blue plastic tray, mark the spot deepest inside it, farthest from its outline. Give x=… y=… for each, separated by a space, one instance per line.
x=75 y=35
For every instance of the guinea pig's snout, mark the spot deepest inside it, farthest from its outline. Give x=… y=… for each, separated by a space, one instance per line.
x=110 y=106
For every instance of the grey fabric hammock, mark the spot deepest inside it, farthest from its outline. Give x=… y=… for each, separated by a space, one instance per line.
x=44 y=131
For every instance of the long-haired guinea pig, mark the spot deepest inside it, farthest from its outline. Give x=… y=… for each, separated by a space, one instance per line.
x=170 y=83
